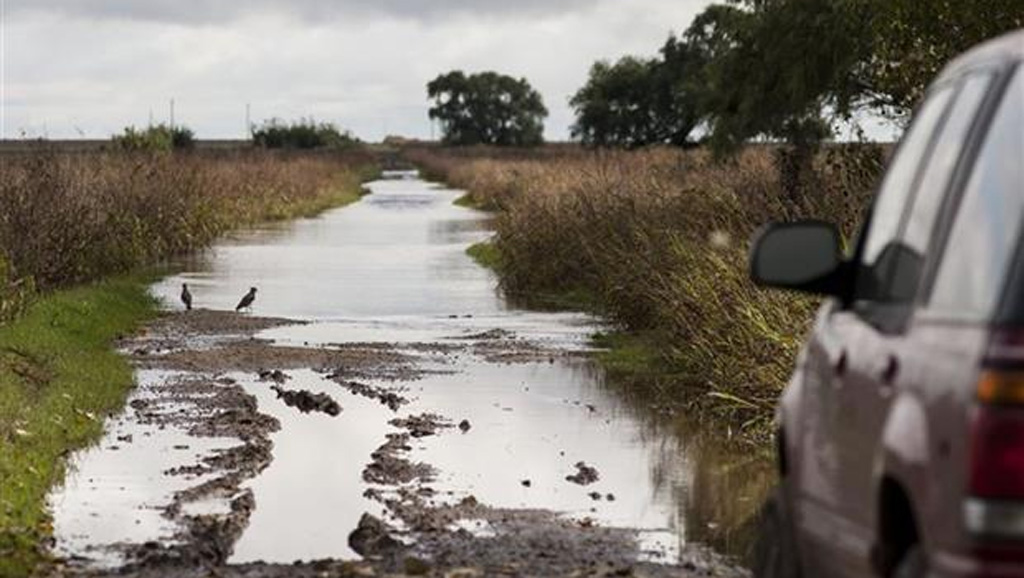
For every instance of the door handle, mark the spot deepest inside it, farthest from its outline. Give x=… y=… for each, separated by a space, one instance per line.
x=840 y=363
x=890 y=371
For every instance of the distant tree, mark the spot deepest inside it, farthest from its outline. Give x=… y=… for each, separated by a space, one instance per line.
x=912 y=40
x=487 y=108
x=155 y=138
x=633 y=103
x=302 y=134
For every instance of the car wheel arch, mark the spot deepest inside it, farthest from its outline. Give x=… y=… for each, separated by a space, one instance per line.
x=899 y=528
x=902 y=465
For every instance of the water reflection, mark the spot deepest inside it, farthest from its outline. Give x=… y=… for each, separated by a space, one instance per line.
x=722 y=482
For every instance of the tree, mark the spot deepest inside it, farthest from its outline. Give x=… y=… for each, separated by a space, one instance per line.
x=633 y=103
x=487 y=108
x=785 y=64
x=789 y=65
x=912 y=41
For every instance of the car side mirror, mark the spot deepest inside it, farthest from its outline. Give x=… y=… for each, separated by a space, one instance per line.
x=804 y=256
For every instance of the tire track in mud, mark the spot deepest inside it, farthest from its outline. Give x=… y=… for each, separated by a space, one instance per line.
x=423 y=533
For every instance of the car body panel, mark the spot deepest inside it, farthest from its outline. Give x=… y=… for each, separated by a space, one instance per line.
x=890 y=404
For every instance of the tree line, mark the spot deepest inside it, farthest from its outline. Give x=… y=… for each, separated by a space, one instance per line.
x=780 y=69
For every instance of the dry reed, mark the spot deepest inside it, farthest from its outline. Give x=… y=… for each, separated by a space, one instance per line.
x=658 y=239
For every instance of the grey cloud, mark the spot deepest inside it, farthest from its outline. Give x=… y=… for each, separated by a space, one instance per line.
x=221 y=11
x=89 y=68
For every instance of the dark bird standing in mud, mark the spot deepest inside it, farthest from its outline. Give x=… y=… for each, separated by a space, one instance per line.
x=246 y=302
x=186 y=297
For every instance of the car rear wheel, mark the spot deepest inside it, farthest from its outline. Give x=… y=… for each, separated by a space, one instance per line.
x=775 y=552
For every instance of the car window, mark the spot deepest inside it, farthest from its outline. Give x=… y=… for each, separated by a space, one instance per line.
x=930 y=192
x=880 y=248
x=985 y=231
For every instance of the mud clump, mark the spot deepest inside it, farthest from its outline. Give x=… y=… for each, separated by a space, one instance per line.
x=390 y=399
x=585 y=475
x=424 y=425
x=371 y=538
x=464 y=426
x=308 y=402
x=276 y=376
x=389 y=469
x=490 y=335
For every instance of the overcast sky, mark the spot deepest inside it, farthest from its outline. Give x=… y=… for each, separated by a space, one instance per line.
x=87 y=68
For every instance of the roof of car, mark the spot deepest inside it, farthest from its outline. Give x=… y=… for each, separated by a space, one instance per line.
x=1007 y=47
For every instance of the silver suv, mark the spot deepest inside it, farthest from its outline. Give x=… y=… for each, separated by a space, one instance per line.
x=901 y=433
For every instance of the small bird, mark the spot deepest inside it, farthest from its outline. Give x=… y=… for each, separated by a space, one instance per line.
x=246 y=302
x=186 y=297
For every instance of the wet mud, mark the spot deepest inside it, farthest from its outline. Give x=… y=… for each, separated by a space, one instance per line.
x=424 y=531
x=308 y=402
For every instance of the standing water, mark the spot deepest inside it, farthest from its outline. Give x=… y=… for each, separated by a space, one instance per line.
x=393 y=269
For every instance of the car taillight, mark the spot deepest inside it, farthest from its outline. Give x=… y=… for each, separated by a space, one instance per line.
x=997 y=453
x=997 y=436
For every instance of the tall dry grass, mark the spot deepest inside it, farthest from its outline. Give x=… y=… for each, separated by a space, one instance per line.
x=66 y=218
x=659 y=240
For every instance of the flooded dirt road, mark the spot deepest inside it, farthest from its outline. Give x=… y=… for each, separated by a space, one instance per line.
x=383 y=405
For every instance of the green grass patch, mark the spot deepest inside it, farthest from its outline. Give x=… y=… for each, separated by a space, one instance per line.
x=59 y=378
x=486 y=254
x=579 y=299
x=630 y=353
x=468 y=202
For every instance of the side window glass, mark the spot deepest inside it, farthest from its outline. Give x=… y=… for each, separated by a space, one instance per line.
x=931 y=190
x=985 y=232
x=881 y=249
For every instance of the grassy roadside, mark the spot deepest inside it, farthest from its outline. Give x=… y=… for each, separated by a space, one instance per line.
x=59 y=378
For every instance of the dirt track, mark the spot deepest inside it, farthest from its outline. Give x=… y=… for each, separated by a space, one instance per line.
x=420 y=536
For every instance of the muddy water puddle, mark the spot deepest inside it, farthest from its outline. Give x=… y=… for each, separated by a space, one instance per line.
x=523 y=406
x=116 y=492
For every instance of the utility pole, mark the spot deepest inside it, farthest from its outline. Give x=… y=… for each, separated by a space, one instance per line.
x=248 y=121
x=172 y=114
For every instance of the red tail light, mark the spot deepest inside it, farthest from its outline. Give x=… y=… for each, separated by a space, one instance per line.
x=997 y=453
x=997 y=436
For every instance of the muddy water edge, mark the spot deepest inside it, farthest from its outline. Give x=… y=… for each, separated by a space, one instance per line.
x=384 y=409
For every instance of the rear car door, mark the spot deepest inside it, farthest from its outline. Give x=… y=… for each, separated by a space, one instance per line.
x=887 y=297
x=852 y=360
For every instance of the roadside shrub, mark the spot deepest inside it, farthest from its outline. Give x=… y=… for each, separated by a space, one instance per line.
x=304 y=134
x=155 y=138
